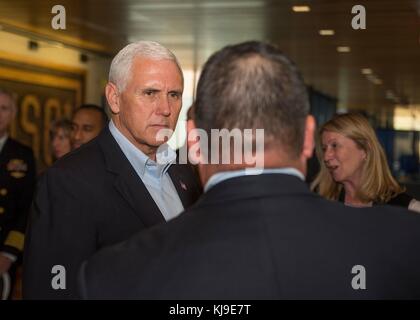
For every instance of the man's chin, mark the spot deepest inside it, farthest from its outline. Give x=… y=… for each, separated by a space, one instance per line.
x=160 y=135
x=156 y=144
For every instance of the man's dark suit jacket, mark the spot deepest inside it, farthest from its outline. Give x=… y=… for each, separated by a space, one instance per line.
x=263 y=237
x=90 y=199
x=17 y=184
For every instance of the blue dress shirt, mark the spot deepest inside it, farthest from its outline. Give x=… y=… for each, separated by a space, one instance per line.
x=222 y=176
x=154 y=175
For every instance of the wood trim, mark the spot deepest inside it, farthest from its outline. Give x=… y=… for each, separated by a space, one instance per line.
x=41 y=79
x=18 y=58
x=71 y=41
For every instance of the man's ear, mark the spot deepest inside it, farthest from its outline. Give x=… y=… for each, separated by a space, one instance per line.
x=112 y=95
x=194 y=150
x=195 y=153
x=309 y=142
x=190 y=128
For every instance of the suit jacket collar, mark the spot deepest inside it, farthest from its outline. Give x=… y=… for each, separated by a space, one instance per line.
x=132 y=188
x=7 y=148
x=127 y=182
x=181 y=184
x=3 y=141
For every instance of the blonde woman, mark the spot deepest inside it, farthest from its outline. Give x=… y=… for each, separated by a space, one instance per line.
x=353 y=166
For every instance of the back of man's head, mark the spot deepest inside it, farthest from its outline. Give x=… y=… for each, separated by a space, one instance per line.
x=253 y=85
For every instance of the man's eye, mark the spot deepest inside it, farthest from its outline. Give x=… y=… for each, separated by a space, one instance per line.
x=149 y=93
x=175 y=95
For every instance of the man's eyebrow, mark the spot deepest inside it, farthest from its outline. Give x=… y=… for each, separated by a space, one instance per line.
x=150 y=89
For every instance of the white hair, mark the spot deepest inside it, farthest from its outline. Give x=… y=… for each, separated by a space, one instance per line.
x=120 y=70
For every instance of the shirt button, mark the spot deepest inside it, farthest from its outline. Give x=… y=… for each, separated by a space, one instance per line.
x=3 y=191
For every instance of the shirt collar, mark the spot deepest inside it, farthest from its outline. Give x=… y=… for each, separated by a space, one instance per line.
x=165 y=155
x=222 y=176
x=3 y=141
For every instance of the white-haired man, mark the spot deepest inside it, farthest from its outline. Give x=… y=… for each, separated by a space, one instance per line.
x=111 y=187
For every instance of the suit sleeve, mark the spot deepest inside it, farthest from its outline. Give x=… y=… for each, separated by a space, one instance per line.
x=14 y=241
x=60 y=236
x=82 y=285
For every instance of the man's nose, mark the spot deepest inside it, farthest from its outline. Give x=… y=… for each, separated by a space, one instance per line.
x=77 y=135
x=164 y=107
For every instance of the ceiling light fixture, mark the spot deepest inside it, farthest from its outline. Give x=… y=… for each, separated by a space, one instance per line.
x=301 y=8
x=343 y=49
x=326 y=32
x=366 y=71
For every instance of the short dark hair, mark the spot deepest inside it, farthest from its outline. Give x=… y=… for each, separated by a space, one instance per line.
x=253 y=85
x=94 y=107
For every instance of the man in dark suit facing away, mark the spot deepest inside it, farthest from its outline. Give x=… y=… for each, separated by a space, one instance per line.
x=114 y=185
x=258 y=232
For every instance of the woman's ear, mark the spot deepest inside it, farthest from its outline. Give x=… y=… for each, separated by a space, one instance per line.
x=309 y=142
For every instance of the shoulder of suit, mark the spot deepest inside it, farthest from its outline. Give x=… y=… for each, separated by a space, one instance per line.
x=19 y=147
x=86 y=156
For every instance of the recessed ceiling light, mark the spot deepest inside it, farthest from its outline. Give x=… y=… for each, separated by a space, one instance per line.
x=366 y=71
x=301 y=8
x=343 y=49
x=326 y=32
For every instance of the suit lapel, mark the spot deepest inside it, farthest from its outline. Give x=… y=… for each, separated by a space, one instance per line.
x=181 y=178
x=5 y=151
x=133 y=190
x=127 y=182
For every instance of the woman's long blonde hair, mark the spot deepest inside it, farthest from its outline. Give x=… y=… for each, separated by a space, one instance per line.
x=378 y=185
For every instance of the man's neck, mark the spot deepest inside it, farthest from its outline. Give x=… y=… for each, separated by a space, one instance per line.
x=271 y=161
x=149 y=151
